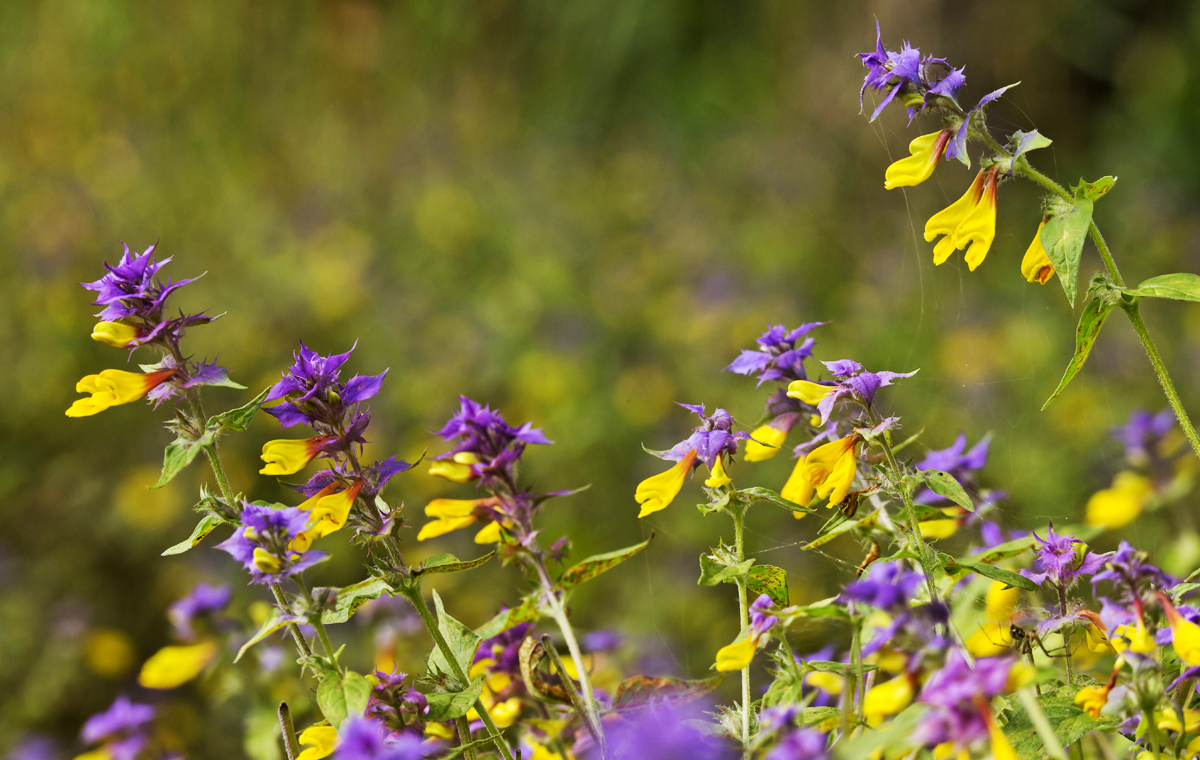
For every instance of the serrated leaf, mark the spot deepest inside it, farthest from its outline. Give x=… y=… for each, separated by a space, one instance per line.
x=1064 y=716
x=525 y=612
x=640 y=691
x=945 y=485
x=1180 y=286
x=207 y=525
x=841 y=529
x=179 y=454
x=350 y=598
x=766 y=494
x=448 y=563
x=954 y=567
x=343 y=698
x=445 y=706
x=1095 y=190
x=275 y=621
x=597 y=564
x=462 y=640
x=713 y=572
x=1062 y=237
x=1086 y=333
x=769 y=580
x=238 y=419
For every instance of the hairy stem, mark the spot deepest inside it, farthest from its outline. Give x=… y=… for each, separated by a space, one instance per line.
x=569 y=687
x=928 y=562
x=739 y=543
x=1066 y=634
x=464 y=737
x=290 y=745
x=413 y=594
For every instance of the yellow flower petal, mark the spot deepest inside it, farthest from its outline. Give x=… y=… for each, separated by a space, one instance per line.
x=1186 y=635
x=736 y=656
x=926 y=150
x=658 y=491
x=1119 y=505
x=265 y=561
x=287 y=456
x=1001 y=749
x=797 y=489
x=887 y=698
x=830 y=683
x=765 y=443
x=97 y=754
x=979 y=226
x=455 y=472
x=320 y=740
x=1097 y=641
x=990 y=640
x=1036 y=266
x=116 y=334
x=946 y=221
x=830 y=469
x=489 y=535
x=112 y=387
x=439 y=730
x=718 y=477
x=444 y=525
x=174 y=666
x=809 y=393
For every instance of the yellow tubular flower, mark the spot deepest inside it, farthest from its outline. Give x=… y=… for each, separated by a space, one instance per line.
x=809 y=393
x=887 y=698
x=116 y=334
x=455 y=472
x=1036 y=266
x=1192 y=749
x=265 y=561
x=717 y=478
x=1185 y=635
x=112 y=387
x=797 y=489
x=1121 y=504
x=831 y=467
x=1134 y=638
x=1097 y=641
x=830 y=683
x=1169 y=721
x=946 y=221
x=926 y=150
x=451 y=514
x=287 y=456
x=658 y=491
x=489 y=535
x=979 y=226
x=174 y=666
x=771 y=439
x=320 y=740
x=1092 y=699
x=736 y=656
x=327 y=512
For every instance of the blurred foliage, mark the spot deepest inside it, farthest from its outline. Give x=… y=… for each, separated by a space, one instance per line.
x=577 y=211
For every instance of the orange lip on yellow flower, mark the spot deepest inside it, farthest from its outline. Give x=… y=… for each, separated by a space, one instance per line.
x=113 y=387
x=658 y=491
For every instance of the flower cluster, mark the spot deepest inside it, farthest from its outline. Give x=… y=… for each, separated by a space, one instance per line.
x=712 y=443
x=267 y=543
x=122 y=731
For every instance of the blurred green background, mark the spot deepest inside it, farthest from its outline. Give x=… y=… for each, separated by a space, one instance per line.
x=577 y=211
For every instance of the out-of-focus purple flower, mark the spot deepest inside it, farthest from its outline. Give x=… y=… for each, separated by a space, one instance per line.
x=888 y=586
x=661 y=733
x=263 y=543
x=761 y=620
x=993 y=535
x=1142 y=435
x=504 y=649
x=1132 y=575
x=957 y=695
x=953 y=460
x=121 y=728
x=851 y=381
x=1063 y=559
x=779 y=357
x=394 y=703
x=200 y=601
x=601 y=641
x=367 y=739
x=773 y=719
x=801 y=744
x=712 y=439
x=35 y=748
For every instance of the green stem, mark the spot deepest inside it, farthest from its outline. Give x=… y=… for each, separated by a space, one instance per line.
x=1066 y=635
x=290 y=745
x=413 y=594
x=856 y=663
x=739 y=542
x=569 y=686
x=928 y=561
x=214 y=461
x=464 y=737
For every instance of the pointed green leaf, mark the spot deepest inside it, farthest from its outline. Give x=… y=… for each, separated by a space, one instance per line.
x=1090 y=322
x=343 y=698
x=1063 y=237
x=1065 y=718
x=462 y=640
x=599 y=563
x=448 y=563
x=1180 y=286
x=826 y=666
x=841 y=529
x=1095 y=190
x=179 y=454
x=1008 y=577
x=1006 y=550
x=766 y=494
x=350 y=598
x=275 y=621
x=830 y=607
x=207 y=525
x=713 y=572
x=769 y=580
x=239 y=419
x=945 y=485
x=525 y=612
x=445 y=706
x=640 y=691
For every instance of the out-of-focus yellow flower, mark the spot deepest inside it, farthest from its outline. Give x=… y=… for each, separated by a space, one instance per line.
x=1168 y=720
x=718 y=477
x=439 y=731
x=764 y=443
x=1185 y=635
x=320 y=740
x=101 y=753
x=113 y=387
x=887 y=698
x=457 y=469
x=830 y=468
x=1036 y=266
x=288 y=456
x=265 y=561
x=1001 y=749
x=1097 y=641
x=830 y=683
x=116 y=334
x=925 y=152
x=174 y=666
x=990 y=640
x=108 y=653
x=1134 y=638
x=942 y=528
x=797 y=489
x=1122 y=503
x=658 y=491
x=947 y=749
x=1092 y=699
x=1001 y=601
x=1020 y=675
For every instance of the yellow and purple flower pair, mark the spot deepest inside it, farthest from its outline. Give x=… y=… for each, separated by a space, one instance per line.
x=264 y=543
x=851 y=383
x=738 y=655
x=113 y=387
x=709 y=444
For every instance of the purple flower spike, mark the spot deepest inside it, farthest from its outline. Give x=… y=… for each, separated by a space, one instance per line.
x=1130 y=572
x=1063 y=559
x=203 y=600
x=263 y=543
x=888 y=586
x=314 y=392
x=954 y=693
x=779 y=357
x=121 y=727
x=907 y=73
x=851 y=382
x=714 y=438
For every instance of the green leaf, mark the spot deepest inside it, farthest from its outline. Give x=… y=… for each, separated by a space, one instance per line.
x=350 y=598
x=1062 y=237
x=640 y=691
x=207 y=525
x=823 y=609
x=343 y=698
x=1095 y=190
x=462 y=640
x=1003 y=551
x=179 y=454
x=824 y=666
x=769 y=580
x=713 y=572
x=238 y=419
x=448 y=563
x=944 y=485
x=1069 y=722
x=275 y=621
x=525 y=612
x=1180 y=286
x=766 y=494
x=954 y=567
x=841 y=529
x=597 y=564
x=1086 y=333
x=453 y=704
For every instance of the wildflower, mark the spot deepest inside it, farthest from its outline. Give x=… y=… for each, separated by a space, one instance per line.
x=367 y=739
x=958 y=695
x=1143 y=436
x=264 y=543
x=1036 y=266
x=1185 y=635
x=173 y=666
x=780 y=356
x=288 y=456
x=800 y=744
x=455 y=514
x=737 y=656
x=969 y=220
x=121 y=729
x=201 y=601
x=320 y=740
x=852 y=383
x=765 y=442
x=113 y=387
x=797 y=488
x=488 y=447
x=994 y=636
x=395 y=703
x=925 y=151
x=1131 y=575
x=906 y=74
x=828 y=471
x=327 y=510
x=1121 y=504
x=116 y=334
x=887 y=698
x=313 y=393
x=1062 y=559
x=708 y=443
x=457 y=469
x=660 y=732
x=1092 y=699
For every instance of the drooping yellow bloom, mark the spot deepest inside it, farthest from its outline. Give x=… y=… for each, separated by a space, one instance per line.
x=174 y=666
x=457 y=469
x=926 y=150
x=113 y=387
x=288 y=456
x=1097 y=641
x=116 y=334
x=809 y=392
x=320 y=740
x=439 y=730
x=1121 y=504
x=327 y=513
x=764 y=443
x=1036 y=266
x=946 y=750
x=887 y=698
x=1134 y=638
x=451 y=514
x=718 y=477
x=797 y=489
x=978 y=228
x=830 y=469
x=658 y=491
x=736 y=656
x=1092 y=699
x=490 y=534
x=265 y=561
x=946 y=221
